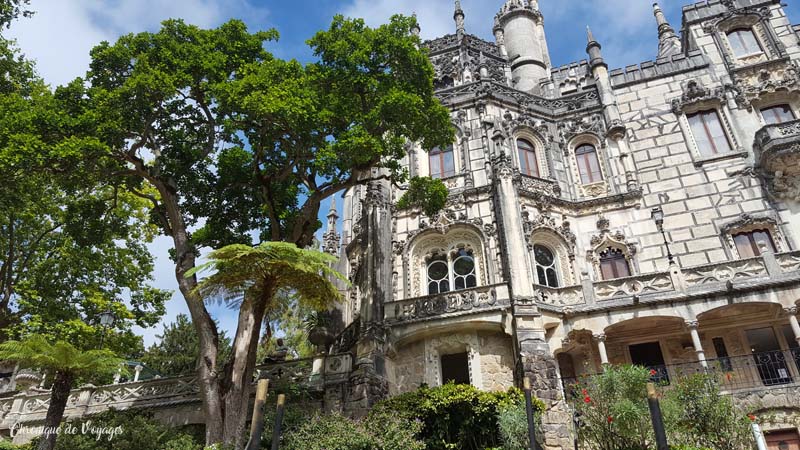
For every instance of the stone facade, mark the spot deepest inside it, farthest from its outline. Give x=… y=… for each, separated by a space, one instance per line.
x=548 y=261
x=645 y=215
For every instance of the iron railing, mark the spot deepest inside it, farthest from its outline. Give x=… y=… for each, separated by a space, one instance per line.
x=735 y=373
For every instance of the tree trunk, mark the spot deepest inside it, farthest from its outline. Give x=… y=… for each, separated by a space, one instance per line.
x=208 y=366
x=62 y=385
x=239 y=370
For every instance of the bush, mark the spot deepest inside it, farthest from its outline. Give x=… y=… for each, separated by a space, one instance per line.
x=512 y=420
x=453 y=416
x=425 y=193
x=7 y=445
x=612 y=410
x=335 y=432
x=698 y=415
x=138 y=431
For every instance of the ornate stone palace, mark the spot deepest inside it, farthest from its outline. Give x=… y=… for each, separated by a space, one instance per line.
x=646 y=215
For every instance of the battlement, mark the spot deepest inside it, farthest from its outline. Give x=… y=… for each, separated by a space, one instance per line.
x=648 y=70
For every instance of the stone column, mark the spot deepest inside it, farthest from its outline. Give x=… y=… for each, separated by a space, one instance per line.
x=693 y=325
x=601 y=347
x=792 y=312
x=373 y=278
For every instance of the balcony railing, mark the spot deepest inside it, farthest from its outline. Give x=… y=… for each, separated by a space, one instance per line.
x=467 y=300
x=757 y=371
x=626 y=287
x=777 y=156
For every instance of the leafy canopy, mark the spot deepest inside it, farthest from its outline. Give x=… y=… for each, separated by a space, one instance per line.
x=252 y=273
x=178 y=347
x=37 y=353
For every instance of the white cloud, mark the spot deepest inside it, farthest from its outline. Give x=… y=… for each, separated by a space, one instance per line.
x=62 y=32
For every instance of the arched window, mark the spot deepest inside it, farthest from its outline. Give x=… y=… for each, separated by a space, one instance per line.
x=442 y=163
x=438 y=276
x=744 y=43
x=457 y=271
x=527 y=158
x=747 y=242
x=546 y=273
x=613 y=264
x=709 y=133
x=777 y=114
x=588 y=164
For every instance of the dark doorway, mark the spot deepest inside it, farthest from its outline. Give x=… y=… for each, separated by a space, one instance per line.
x=770 y=360
x=455 y=368
x=649 y=355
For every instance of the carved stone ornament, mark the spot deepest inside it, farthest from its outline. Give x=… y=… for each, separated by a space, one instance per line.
x=547 y=222
x=693 y=93
x=593 y=124
x=752 y=85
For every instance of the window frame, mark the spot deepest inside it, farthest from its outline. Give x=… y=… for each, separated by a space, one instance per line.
x=702 y=113
x=606 y=258
x=441 y=154
x=452 y=277
x=787 y=106
x=752 y=243
x=530 y=155
x=554 y=266
x=584 y=156
x=738 y=31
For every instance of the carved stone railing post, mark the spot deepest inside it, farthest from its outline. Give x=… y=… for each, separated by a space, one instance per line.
x=770 y=262
x=678 y=280
x=588 y=288
x=84 y=398
x=792 y=312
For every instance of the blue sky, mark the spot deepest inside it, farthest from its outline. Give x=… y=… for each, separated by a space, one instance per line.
x=62 y=32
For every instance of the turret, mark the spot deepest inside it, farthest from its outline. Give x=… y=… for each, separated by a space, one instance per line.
x=668 y=42
x=331 y=238
x=522 y=26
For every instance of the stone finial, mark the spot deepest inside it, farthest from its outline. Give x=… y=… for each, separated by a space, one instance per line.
x=668 y=42
x=458 y=16
x=331 y=238
x=415 y=29
x=589 y=35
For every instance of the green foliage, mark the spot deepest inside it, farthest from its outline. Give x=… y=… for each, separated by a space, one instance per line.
x=335 y=432
x=454 y=416
x=513 y=422
x=425 y=193
x=36 y=352
x=7 y=445
x=137 y=430
x=612 y=409
x=12 y=9
x=698 y=415
x=260 y=271
x=178 y=347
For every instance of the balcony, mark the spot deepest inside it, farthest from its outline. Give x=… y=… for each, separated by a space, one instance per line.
x=777 y=157
x=479 y=299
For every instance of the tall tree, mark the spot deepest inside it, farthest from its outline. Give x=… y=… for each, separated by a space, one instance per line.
x=176 y=351
x=230 y=137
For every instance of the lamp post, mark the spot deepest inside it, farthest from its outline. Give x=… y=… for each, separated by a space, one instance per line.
x=106 y=320
x=657 y=215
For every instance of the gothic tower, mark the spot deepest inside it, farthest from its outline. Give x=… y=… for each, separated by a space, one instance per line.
x=522 y=26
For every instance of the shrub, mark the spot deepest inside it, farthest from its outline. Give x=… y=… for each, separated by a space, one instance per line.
x=454 y=416
x=612 y=409
x=335 y=432
x=7 y=445
x=698 y=415
x=138 y=431
x=428 y=194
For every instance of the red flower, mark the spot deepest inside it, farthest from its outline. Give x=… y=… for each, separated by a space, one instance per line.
x=587 y=399
x=653 y=372
x=610 y=419
x=728 y=376
x=585 y=392
x=751 y=417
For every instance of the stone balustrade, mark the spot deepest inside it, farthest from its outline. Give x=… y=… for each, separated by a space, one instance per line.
x=725 y=271
x=563 y=296
x=449 y=303
x=630 y=286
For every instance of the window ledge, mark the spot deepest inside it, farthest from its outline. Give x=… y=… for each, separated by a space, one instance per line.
x=738 y=153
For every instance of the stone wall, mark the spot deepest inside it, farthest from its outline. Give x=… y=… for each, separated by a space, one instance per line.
x=497 y=362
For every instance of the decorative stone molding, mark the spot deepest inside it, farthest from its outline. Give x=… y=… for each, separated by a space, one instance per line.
x=751 y=86
x=731 y=270
x=444 y=240
x=696 y=95
x=449 y=344
x=746 y=223
x=607 y=239
x=632 y=286
x=455 y=302
x=777 y=152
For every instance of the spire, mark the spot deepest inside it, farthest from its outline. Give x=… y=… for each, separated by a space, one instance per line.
x=668 y=42
x=458 y=16
x=593 y=49
x=330 y=240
